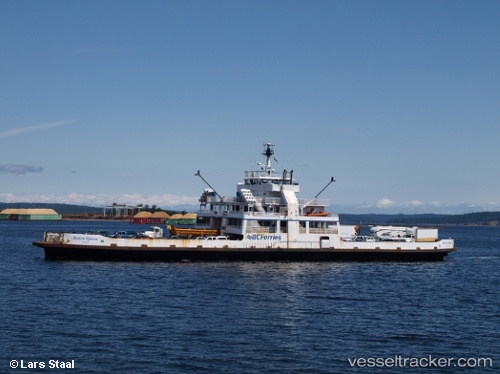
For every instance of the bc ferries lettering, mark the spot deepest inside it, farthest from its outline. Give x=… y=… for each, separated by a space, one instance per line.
x=263 y=237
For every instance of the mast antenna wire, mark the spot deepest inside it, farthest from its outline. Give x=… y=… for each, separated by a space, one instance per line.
x=198 y=174
x=319 y=193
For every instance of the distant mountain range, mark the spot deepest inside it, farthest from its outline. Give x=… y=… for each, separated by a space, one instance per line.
x=480 y=218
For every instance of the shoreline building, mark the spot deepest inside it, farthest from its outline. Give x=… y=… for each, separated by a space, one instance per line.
x=188 y=219
x=30 y=215
x=143 y=217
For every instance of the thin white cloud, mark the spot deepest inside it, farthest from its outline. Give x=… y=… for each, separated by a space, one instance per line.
x=29 y=129
x=416 y=203
x=384 y=203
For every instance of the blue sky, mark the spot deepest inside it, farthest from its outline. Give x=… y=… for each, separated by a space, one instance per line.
x=123 y=101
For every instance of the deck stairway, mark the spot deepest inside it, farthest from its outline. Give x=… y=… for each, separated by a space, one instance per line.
x=251 y=200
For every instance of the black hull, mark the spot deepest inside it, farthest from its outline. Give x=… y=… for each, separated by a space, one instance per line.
x=92 y=253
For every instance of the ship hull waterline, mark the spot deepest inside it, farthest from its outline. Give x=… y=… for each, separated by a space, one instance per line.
x=58 y=251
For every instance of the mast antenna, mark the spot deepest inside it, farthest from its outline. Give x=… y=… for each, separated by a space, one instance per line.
x=319 y=193
x=268 y=152
x=198 y=174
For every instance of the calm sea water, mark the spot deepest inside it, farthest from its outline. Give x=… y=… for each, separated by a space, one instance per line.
x=245 y=317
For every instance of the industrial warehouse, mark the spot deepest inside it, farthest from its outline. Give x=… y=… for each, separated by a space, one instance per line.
x=30 y=215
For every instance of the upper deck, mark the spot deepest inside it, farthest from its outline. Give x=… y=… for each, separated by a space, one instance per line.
x=262 y=190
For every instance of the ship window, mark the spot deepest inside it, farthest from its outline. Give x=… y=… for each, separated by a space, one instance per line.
x=204 y=221
x=317 y=225
x=234 y=222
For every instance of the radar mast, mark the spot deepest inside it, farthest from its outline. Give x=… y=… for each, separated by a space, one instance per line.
x=268 y=152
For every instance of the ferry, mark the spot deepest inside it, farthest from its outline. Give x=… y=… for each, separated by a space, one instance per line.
x=264 y=221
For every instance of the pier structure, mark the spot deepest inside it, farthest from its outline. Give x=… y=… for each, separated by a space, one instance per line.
x=120 y=210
